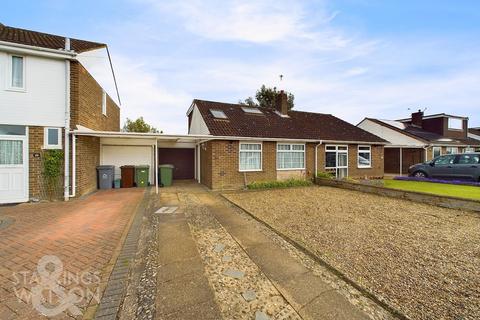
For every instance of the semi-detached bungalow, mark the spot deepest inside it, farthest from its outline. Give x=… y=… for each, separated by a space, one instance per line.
x=231 y=145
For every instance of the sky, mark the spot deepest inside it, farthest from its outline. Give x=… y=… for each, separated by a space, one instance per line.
x=351 y=58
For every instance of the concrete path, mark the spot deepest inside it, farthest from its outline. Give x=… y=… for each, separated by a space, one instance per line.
x=183 y=291
x=311 y=297
x=187 y=287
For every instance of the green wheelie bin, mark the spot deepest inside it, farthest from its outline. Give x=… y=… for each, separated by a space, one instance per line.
x=166 y=174
x=141 y=175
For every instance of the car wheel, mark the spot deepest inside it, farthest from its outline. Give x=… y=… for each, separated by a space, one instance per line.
x=420 y=174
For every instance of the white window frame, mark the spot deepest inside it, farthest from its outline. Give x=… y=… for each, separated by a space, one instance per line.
x=45 y=138
x=259 y=151
x=359 y=166
x=469 y=150
x=453 y=127
x=453 y=148
x=9 y=79
x=291 y=150
x=433 y=152
x=337 y=151
x=104 y=103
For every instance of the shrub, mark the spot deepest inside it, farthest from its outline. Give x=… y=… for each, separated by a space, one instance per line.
x=325 y=175
x=279 y=184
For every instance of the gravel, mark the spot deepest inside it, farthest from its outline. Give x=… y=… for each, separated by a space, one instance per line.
x=422 y=260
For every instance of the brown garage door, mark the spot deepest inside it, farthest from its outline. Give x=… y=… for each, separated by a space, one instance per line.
x=182 y=159
x=411 y=156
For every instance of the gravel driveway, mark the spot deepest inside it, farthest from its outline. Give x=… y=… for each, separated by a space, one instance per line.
x=422 y=260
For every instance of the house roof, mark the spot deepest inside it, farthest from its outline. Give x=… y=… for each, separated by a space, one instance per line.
x=270 y=124
x=44 y=40
x=433 y=116
x=421 y=134
x=475 y=131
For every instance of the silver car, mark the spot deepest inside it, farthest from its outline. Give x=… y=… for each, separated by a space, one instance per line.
x=451 y=166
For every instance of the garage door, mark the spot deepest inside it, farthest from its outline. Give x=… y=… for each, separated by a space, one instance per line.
x=182 y=158
x=128 y=155
x=13 y=169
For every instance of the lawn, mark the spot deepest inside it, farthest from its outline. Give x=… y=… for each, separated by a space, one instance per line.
x=420 y=259
x=442 y=189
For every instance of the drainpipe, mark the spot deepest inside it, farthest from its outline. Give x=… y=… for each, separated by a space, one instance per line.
x=156 y=166
x=426 y=153
x=316 y=158
x=74 y=166
x=66 y=182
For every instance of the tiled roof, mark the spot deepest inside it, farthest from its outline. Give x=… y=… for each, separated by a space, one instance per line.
x=424 y=135
x=44 y=40
x=269 y=124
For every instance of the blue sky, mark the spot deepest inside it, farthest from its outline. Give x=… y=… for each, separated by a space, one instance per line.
x=351 y=58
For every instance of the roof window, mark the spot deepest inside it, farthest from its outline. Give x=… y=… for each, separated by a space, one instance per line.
x=218 y=114
x=252 y=110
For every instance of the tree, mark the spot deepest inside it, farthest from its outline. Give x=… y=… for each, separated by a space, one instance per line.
x=139 y=125
x=265 y=98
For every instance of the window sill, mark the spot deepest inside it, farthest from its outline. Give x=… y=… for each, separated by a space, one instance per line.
x=250 y=170
x=12 y=89
x=362 y=167
x=52 y=147
x=290 y=169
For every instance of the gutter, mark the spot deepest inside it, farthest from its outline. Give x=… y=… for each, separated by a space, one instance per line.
x=36 y=51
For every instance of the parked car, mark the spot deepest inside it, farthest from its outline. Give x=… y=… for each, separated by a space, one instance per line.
x=452 y=166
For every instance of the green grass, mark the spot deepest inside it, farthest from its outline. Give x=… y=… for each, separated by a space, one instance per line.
x=442 y=189
x=279 y=184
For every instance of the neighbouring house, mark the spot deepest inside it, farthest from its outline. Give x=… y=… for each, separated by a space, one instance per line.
x=45 y=91
x=420 y=138
x=265 y=144
x=474 y=133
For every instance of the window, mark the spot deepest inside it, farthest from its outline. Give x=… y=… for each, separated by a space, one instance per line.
x=104 y=103
x=53 y=138
x=336 y=157
x=11 y=152
x=290 y=156
x=452 y=150
x=250 y=157
x=16 y=75
x=11 y=130
x=219 y=114
x=469 y=159
x=437 y=152
x=455 y=124
x=364 y=157
x=445 y=160
x=469 y=150
x=251 y=110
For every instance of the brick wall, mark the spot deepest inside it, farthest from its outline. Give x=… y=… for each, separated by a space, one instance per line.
x=86 y=100
x=220 y=164
x=88 y=158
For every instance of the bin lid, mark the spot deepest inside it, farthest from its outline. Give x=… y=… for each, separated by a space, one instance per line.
x=142 y=166
x=166 y=166
x=105 y=167
x=127 y=167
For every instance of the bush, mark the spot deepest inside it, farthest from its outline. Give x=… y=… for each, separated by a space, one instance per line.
x=325 y=175
x=279 y=184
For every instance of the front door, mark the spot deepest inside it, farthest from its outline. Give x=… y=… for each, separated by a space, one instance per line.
x=13 y=169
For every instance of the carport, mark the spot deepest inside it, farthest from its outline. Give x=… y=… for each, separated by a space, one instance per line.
x=153 y=149
x=398 y=159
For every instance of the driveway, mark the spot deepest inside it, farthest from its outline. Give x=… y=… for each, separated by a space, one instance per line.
x=203 y=258
x=72 y=242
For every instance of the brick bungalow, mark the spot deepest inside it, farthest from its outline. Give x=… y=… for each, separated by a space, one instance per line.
x=420 y=138
x=265 y=144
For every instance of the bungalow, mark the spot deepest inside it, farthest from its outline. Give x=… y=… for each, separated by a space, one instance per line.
x=420 y=138
x=261 y=144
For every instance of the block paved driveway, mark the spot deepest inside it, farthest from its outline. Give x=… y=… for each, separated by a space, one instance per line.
x=84 y=234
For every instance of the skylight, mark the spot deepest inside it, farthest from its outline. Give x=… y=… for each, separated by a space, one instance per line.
x=219 y=114
x=251 y=110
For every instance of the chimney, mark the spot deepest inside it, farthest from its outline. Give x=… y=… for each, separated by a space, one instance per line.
x=281 y=103
x=67 y=44
x=417 y=118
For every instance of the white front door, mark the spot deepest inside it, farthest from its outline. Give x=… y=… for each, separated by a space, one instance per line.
x=13 y=169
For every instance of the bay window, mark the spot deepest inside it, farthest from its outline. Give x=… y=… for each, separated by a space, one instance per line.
x=250 y=155
x=364 y=159
x=290 y=156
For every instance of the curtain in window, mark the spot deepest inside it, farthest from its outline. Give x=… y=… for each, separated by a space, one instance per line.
x=17 y=72
x=250 y=157
x=290 y=156
x=11 y=152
